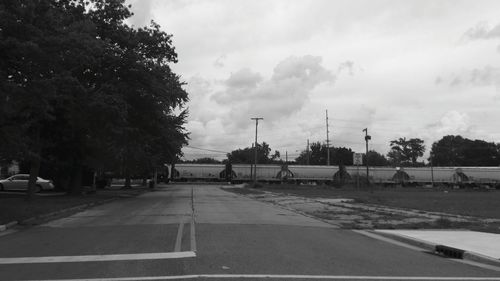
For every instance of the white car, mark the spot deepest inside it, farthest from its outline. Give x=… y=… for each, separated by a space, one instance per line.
x=20 y=182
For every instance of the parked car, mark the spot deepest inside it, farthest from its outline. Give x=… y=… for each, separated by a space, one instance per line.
x=20 y=182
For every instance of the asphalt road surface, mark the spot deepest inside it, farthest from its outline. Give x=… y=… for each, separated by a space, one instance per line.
x=200 y=232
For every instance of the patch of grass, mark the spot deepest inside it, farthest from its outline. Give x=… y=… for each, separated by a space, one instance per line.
x=461 y=202
x=243 y=191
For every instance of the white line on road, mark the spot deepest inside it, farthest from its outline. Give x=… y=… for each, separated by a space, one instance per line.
x=277 y=276
x=90 y=258
x=178 y=241
x=193 y=237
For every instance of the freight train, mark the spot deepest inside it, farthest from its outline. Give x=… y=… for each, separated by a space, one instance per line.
x=238 y=173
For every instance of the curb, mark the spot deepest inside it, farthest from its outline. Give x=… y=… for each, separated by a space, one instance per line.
x=6 y=226
x=11 y=224
x=467 y=255
x=59 y=212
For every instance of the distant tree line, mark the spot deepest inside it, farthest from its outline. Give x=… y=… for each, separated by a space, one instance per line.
x=448 y=151
x=80 y=90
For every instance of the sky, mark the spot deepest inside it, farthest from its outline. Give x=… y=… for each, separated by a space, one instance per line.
x=400 y=68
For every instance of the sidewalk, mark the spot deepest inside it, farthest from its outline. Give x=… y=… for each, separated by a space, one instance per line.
x=482 y=243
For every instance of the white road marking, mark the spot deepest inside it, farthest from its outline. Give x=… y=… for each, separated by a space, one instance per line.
x=277 y=276
x=178 y=241
x=193 y=237
x=89 y=258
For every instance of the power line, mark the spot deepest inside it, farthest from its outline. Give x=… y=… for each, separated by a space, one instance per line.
x=206 y=149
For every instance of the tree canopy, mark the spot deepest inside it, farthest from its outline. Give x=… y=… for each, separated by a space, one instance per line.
x=458 y=151
x=406 y=152
x=247 y=155
x=80 y=88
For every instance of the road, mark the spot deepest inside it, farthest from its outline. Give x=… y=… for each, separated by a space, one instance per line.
x=202 y=232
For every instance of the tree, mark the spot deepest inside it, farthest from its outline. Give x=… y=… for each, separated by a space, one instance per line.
x=458 y=151
x=81 y=89
x=406 y=152
x=204 y=160
x=247 y=156
x=376 y=159
x=318 y=156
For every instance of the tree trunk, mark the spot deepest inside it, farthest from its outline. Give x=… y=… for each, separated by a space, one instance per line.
x=76 y=180
x=127 y=179
x=34 y=169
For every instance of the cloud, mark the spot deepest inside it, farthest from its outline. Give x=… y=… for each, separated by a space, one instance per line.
x=452 y=123
x=347 y=65
x=142 y=10
x=243 y=79
x=482 y=30
x=247 y=94
x=219 y=62
x=478 y=77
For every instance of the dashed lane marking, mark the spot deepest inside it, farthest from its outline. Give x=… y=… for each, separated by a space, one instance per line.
x=193 y=237
x=271 y=276
x=178 y=241
x=91 y=258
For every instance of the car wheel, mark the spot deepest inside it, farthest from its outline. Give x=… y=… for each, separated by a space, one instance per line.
x=38 y=188
x=1 y=187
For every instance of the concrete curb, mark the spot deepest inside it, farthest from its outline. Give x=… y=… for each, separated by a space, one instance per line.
x=11 y=224
x=6 y=226
x=67 y=210
x=471 y=256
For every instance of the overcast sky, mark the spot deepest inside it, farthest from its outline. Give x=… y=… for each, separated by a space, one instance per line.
x=414 y=69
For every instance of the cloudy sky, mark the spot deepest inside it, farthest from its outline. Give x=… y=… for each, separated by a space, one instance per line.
x=414 y=69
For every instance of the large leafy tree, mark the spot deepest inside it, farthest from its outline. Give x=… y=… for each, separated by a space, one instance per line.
x=458 y=151
x=80 y=88
x=406 y=152
x=376 y=159
x=247 y=155
x=318 y=155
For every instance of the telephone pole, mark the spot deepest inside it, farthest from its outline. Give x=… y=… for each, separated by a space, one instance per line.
x=307 y=150
x=327 y=142
x=255 y=147
x=367 y=138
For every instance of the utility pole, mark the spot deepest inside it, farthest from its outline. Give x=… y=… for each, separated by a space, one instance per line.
x=286 y=156
x=307 y=150
x=327 y=142
x=255 y=147
x=367 y=138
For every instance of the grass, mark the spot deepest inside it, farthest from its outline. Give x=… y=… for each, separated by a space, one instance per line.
x=15 y=207
x=461 y=202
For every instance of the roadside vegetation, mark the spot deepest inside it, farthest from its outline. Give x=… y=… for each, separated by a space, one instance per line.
x=81 y=91
x=377 y=207
x=468 y=202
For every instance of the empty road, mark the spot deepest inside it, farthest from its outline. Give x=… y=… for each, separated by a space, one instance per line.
x=202 y=232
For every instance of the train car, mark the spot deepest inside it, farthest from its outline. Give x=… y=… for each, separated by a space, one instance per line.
x=197 y=172
x=461 y=176
x=305 y=173
x=244 y=172
x=482 y=175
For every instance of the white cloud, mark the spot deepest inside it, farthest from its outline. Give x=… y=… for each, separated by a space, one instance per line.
x=248 y=95
x=453 y=123
x=142 y=10
x=482 y=30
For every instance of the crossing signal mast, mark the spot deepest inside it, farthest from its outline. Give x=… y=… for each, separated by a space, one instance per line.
x=367 y=138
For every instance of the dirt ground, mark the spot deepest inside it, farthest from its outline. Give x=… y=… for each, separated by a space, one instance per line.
x=388 y=208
